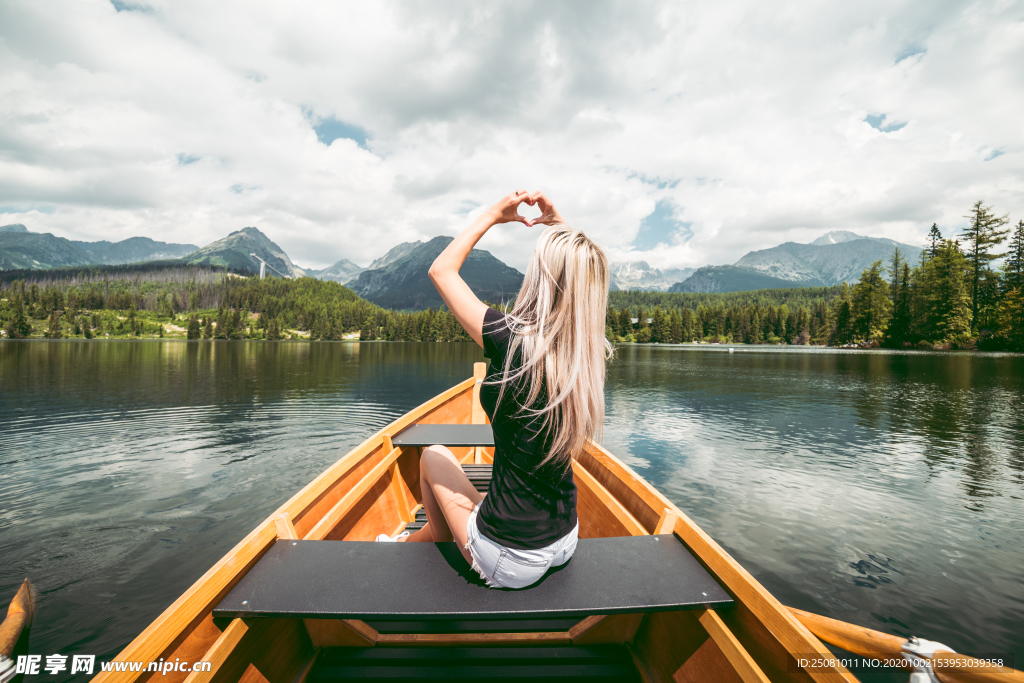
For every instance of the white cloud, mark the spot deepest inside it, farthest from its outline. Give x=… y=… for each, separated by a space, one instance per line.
x=183 y=120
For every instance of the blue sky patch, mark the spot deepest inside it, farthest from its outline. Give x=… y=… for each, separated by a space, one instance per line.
x=994 y=153
x=122 y=6
x=659 y=228
x=329 y=129
x=656 y=181
x=186 y=159
x=878 y=122
x=48 y=210
x=909 y=51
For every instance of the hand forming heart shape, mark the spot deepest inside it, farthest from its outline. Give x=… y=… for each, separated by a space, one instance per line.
x=529 y=211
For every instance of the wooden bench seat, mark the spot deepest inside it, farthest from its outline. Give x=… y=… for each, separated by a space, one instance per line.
x=445 y=435
x=432 y=581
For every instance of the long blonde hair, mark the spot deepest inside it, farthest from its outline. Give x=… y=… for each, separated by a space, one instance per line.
x=557 y=325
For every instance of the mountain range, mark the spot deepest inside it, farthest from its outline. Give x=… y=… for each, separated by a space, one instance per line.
x=399 y=279
x=835 y=257
x=640 y=275
x=235 y=252
x=21 y=249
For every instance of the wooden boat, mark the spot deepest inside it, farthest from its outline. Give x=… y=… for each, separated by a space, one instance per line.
x=375 y=489
x=14 y=629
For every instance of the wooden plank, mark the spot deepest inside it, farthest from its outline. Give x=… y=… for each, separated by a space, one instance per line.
x=614 y=629
x=349 y=500
x=642 y=500
x=458 y=410
x=585 y=625
x=587 y=480
x=742 y=662
x=761 y=644
x=306 y=668
x=641 y=668
x=708 y=663
x=272 y=651
x=667 y=522
x=194 y=647
x=221 y=650
x=284 y=526
x=665 y=641
x=470 y=639
x=399 y=488
x=340 y=633
x=478 y=416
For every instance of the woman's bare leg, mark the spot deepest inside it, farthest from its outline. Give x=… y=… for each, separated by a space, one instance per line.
x=448 y=498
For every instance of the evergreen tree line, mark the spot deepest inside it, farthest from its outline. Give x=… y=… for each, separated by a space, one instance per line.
x=953 y=298
x=246 y=308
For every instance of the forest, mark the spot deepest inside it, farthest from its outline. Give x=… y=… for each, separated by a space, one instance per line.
x=953 y=298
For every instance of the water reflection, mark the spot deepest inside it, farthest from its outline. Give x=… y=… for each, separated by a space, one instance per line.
x=879 y=488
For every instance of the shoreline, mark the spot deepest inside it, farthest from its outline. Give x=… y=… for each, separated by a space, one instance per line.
x=726 y=347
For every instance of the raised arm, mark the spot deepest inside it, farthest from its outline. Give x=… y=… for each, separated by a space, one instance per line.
x=444 y=272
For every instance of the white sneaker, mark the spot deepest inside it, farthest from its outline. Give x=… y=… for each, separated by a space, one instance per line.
x=384 y=538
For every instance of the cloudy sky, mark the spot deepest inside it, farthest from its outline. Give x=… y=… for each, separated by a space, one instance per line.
x=680 y=133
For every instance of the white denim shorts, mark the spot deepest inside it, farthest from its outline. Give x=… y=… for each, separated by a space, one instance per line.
x=503 y=567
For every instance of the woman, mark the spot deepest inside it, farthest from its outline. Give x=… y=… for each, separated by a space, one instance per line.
x=544 y=395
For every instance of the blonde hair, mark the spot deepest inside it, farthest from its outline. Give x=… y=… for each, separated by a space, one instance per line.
x=557 y=326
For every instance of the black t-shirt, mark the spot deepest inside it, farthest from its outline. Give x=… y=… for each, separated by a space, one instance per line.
x=526 y=506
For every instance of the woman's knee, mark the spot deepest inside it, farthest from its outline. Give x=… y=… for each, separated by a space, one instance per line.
x=436 y=455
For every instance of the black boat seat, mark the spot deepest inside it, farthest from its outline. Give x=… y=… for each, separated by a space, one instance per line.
x=445 y=435
x=432 y=581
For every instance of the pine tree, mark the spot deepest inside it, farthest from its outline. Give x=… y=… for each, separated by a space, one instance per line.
x=934 y=240
x=1013 y=267
x=1011 y=318
x=871 y=307
x=946 y=294
x=18 y=326
x=676 y=327
x=208 y=328
x=194 y=331
x=982 y=235
x=843 y=333
x=235 y=329
x=895 y=271
x=902 y=316
x=222 y=323
x=54 y=329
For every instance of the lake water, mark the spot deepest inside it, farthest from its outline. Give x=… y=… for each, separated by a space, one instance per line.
x=884 y=489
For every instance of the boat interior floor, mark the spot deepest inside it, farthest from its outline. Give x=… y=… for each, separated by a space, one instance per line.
x=611 y=663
